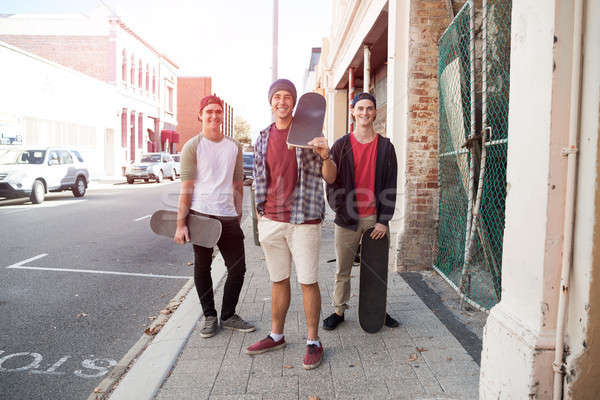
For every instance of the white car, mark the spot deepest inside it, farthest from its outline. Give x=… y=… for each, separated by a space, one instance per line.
x=154 y=166
x=34 y=172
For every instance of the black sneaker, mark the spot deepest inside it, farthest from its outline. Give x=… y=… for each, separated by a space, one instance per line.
x=331 y=322
x=391 y=322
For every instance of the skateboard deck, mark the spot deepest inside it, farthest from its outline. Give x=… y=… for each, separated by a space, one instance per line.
x=203 y=231
x=373 y=282
x=307 y=123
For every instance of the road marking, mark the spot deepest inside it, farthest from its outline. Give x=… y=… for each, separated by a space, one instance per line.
x=28 y=260
x=90 y=271
x=9 y=209
x=144 y=217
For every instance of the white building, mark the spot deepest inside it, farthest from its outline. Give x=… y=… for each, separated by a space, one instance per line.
x=141 y=107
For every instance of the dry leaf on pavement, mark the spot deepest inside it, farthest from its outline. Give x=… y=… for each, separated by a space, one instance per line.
x=288 y=366
x=154 y=330
x=98 y=390
x=152 y=318
x=413 y=357
x=421 y=349
x=166 y=311
x=313 y=398
x=190 y=263
x=81 y=315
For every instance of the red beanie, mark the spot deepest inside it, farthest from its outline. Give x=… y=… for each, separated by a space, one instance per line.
x=206 y=100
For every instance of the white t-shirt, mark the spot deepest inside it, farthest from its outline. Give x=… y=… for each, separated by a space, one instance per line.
x=213 y=166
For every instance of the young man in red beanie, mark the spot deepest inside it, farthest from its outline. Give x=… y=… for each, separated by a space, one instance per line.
x=362 y=192
x=212 y=185
x=290 y=204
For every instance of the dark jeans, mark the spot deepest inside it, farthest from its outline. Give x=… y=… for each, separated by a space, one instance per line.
x=231 y=245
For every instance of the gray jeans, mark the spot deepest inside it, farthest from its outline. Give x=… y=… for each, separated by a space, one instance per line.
x=346 y=243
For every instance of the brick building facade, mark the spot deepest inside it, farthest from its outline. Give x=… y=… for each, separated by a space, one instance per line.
x=389 y=48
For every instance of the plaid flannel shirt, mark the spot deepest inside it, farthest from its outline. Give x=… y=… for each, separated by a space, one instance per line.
x=308 y=202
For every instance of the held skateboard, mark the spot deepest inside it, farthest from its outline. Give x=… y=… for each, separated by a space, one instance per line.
x=203 y=231
x=307 y=123
x=373 y=282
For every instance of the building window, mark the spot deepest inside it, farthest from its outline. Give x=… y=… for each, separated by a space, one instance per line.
x=170 y=99
x=153 y=81
x=147 y=77
x=140 y=75
x=124 y=67
x=124 y=128
x=132 y=77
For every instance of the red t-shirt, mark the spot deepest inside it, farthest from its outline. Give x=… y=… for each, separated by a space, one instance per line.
x=364 y=156
x=282 y=172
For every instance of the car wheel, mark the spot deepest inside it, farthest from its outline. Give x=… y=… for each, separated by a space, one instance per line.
x=79 y=187
x=38 y=191
x=172 y=177
x=146 y=180
x=130 y=181
x=159 y=176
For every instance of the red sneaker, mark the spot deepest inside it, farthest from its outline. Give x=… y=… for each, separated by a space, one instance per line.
x=313 y=356
x=264 y=345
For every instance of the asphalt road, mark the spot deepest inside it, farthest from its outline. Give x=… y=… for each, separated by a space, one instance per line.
x=66 y=316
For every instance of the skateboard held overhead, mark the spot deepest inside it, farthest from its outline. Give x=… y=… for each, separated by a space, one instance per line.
x=373 y=282
x=307 y=123
x=203 y=231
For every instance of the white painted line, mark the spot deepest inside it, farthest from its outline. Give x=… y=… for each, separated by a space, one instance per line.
x=28 y=260
x=144 y=217
x=90 y=271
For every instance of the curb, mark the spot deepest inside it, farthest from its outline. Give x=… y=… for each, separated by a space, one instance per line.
x=141 y=372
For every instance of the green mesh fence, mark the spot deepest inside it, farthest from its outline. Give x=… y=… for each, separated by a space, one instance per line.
x=481 y=278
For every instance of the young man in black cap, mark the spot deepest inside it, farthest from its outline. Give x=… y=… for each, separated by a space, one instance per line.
x=361 y=191
x=290 y=204
x=212 y=175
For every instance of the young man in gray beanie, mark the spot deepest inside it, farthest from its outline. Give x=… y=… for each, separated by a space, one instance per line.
x=290 y=205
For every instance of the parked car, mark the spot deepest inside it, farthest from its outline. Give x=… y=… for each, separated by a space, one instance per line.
x=177 y=164
x=248 y=165
x=34 y=172
x=154 y=166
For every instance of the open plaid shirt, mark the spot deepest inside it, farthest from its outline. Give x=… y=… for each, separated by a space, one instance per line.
x=308 y=203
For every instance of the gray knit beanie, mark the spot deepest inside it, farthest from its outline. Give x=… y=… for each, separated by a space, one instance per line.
x=282 y=84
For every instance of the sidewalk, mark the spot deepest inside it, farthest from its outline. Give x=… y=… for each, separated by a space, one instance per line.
x=419 y=360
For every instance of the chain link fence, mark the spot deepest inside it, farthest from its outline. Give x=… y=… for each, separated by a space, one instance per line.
x=473 y=266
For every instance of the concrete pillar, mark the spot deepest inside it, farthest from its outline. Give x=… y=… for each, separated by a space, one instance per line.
x=337 y=117
x=397 y=109
x=366 y=68
x=518 y=344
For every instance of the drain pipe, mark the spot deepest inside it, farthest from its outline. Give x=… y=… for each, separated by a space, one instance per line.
x=569 y=221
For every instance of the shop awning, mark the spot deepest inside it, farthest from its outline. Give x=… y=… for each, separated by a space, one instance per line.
x=171 y=136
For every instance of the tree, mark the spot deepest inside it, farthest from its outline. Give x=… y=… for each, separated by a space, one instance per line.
x=241 y=129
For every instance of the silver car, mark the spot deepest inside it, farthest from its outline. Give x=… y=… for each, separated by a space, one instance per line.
x=155 y=166
x=34 y=172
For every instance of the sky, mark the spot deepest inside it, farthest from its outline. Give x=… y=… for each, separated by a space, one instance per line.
x=228 y=40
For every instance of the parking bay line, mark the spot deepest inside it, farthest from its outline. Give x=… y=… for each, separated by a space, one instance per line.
x=144 y=217
x=20 y=265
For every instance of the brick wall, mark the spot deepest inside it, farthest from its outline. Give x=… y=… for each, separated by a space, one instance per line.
x=428 y=20
x=190 y=90
x=87 y=54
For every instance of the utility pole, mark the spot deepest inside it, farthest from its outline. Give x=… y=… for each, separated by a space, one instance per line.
x=275 y=37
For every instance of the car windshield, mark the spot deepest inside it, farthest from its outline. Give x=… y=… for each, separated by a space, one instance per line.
x=151 y=158
x=248 y=159
x=22 y=157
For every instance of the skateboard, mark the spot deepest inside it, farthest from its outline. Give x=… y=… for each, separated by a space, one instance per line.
x=307 y=123
x=373 y=282
x=203 y=231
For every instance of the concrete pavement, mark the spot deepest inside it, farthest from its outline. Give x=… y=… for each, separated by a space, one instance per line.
x=421 y=359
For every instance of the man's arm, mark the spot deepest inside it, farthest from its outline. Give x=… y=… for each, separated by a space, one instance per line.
x=183 y=209
x=328 y=167
x=238 y=197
